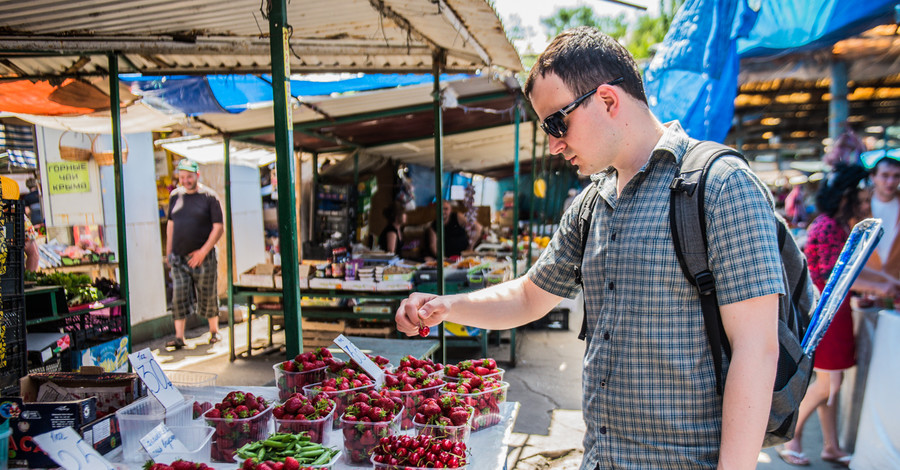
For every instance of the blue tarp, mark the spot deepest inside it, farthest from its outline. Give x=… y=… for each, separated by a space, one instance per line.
x=235 y=93
x=693 y=77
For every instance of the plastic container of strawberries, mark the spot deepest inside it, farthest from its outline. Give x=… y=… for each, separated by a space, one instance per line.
x=140 y=417
x=316 y=429
x=411 y=401
x=341 y=398
x=486 y=404
x=293 y=382
x=454 y=433
x=361 y=438
x=231 y=434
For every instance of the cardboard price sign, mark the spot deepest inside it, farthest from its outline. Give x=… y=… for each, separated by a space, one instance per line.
x=360 y=358
x=160 y=440
x=69 y=450
x=146 y=367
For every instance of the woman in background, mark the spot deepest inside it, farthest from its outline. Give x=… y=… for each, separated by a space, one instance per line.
x=391 y=238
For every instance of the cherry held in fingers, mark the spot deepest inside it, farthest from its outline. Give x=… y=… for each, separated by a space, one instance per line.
x=423 y=330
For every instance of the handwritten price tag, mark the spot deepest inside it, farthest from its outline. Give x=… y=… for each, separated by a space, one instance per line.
x=360 y=358
x=160 y=440
x=146 y=367
x=69 y=450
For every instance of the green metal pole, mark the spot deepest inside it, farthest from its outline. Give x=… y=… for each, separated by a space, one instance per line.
x=515 y=234
x=229 y=248
x=354 y=193
x=314 y=233
x=437 y=60
x=284 y=165
x=533 y=179
x=120 y=188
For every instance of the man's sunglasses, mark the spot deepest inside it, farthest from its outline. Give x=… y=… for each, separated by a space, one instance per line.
x=555 y=123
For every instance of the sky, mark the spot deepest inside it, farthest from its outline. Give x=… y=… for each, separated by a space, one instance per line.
x=531 y=11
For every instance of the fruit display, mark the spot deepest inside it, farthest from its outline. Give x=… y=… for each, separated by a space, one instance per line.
x=200 y=407
x=412 y=386
x=411 y=362
x=239 y=419
x=285 y=451
x=472 y=368
x=341 y=390
x=412 y=453
x=445 y=417
x=300 y=413
x=370 y=416
x=337 y=366
x=482 y=394
x=176 y=465
x=307 y=368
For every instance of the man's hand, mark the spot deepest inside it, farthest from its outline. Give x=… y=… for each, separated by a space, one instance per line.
x=421 y=309
x=195 y=258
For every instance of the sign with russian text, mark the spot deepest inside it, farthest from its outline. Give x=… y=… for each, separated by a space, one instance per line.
x=68 y=177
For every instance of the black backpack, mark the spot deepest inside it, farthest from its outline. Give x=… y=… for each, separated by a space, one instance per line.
x=687 y=220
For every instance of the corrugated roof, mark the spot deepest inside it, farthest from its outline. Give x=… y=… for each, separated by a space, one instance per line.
x=212 y=36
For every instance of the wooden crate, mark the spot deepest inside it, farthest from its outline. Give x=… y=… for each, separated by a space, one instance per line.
x=371 y=331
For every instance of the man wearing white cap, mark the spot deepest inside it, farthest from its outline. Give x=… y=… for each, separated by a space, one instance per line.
x=194 y=227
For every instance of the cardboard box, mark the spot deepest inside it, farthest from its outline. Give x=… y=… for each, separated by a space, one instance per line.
x=32 y=419
x=260 y=275
x=103 y=434
x=112 y=390
x=326 y=283
x=394 y=286
x=302 y=278
x=360 y=286
x=111 y=355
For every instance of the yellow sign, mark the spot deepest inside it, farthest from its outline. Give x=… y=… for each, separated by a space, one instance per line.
x=68 y=177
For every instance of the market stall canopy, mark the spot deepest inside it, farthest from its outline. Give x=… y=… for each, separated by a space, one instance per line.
x=398 y=123
x=166 y=37
x=206 y=150
x=135 y=118
x=693 y=77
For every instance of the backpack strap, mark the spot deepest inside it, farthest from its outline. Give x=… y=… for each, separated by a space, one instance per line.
x=585 y=215
x=687 y=219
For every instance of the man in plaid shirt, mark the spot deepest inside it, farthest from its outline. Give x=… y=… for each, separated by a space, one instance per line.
x=650 y=398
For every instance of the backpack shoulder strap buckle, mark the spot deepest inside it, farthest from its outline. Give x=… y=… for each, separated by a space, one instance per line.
x=706 y=283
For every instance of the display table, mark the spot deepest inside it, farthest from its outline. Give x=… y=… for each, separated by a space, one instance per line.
x=488 y=448
x=878 y=437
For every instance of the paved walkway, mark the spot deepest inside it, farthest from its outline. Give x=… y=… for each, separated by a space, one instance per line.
x=547 y=381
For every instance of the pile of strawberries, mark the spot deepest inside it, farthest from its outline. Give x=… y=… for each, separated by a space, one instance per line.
x=240 y=418
x=299 y=413
x=412 y=386
x=411 y=362
x=337 y=366
x=445 y=417
x=307 y=368
x=473 y=368
x=399 y=452
x=176 y=465
x=341 y=389
x=482 y=394
x=200 y=408
x=289 y=463
x=369 y=417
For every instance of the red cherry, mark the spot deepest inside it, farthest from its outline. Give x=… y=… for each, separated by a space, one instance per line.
x=424 y=330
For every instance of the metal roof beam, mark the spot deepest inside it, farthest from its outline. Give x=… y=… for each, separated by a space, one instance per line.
x=463 y=31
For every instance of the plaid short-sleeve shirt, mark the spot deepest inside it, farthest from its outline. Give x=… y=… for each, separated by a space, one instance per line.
x=649 y=387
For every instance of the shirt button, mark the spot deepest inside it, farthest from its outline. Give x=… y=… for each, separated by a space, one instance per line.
x=602 y=384
x=613 y=236
x=602 y=429
x=612 y=285
x=606 y=335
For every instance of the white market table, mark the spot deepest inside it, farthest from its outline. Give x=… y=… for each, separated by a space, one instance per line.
x=488 y=447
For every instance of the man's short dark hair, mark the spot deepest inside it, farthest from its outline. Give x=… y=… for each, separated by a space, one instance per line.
x=585 y=58
x=885 y=161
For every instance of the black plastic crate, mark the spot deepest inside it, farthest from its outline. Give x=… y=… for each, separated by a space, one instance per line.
x=12 y=281
x=16 y=367
x=13 y=321
x=557 y=319
x=13 y=221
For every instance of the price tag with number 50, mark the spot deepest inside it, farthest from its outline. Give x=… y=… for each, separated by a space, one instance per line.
x=146 y=367
x=69 y=450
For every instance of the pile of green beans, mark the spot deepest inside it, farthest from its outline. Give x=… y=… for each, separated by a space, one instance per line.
x=281 y=445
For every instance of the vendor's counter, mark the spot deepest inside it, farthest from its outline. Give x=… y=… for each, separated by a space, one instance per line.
x=488 y=448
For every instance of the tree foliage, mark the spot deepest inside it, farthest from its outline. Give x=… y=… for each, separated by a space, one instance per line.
x=639 y=35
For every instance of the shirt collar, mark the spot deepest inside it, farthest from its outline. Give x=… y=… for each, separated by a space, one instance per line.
x=674 y=142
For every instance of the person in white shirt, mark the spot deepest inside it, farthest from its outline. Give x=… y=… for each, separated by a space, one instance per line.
x=886 y=206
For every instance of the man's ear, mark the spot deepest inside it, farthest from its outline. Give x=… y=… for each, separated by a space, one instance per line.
x=609 y=97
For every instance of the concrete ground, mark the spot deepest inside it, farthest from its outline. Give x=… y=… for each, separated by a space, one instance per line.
x=546 y=381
